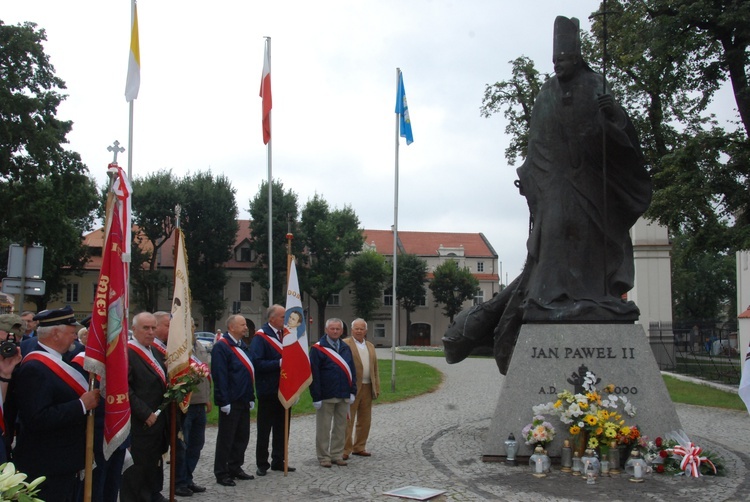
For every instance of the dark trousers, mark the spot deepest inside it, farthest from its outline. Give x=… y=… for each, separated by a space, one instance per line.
x=189 y=449
x=231 y=440
x=270 y=421
x=58 y=488
x=143 y=481
x=107 y=475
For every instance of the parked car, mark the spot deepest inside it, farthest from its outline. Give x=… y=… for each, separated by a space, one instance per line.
x=205 y=338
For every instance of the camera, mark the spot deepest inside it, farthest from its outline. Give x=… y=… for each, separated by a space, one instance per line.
x=9 y=347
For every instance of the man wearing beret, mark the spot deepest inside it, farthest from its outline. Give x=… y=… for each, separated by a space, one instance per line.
x=53 y=399
x=11 y=327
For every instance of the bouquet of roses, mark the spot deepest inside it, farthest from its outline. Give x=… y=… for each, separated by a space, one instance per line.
x=179 y=390
x=539 y=431
x=675 y=454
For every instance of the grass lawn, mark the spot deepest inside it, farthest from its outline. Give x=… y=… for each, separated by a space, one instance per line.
x=412 y=379
x=702 y=395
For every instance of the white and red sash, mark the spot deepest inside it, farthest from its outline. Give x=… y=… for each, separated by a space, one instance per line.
x=67 y=374
x=273 y=342
x=336 y=358
x=160 y=346
x=148 y=359
x=79 y=360
x=246 y=362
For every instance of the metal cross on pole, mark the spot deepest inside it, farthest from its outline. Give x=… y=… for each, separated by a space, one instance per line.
x=115 y=148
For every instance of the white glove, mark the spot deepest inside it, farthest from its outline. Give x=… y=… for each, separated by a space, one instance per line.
x=317 y=404
x=252 y=405
x=351 y=398
x=226 y=408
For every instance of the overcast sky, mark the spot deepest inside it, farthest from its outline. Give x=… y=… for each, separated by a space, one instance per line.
x=334 y=89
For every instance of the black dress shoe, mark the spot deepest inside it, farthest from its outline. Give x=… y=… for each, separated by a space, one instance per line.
x=242 y=475
x=260 y=472
x=226 y=481
x=160 y=498
x=196 y=488
x=288 y=469
x=183 y=491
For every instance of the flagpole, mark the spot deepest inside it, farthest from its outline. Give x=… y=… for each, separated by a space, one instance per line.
x=173 y=405
x=289 y=259
x=270 y=193
x=394 y=320
x=89 y=460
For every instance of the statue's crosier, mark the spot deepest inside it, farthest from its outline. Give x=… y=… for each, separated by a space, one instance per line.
x=586 y=184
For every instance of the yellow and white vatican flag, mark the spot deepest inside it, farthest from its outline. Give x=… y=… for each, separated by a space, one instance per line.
x=133 y=83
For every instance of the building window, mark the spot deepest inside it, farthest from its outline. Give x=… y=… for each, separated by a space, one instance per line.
x=379 y=331
x=94 y=287
x=71 y=293
x=388 y=297
x=422 y=301
x=479 y=296
x=246 y=291
x=334 y=300
x=245 y=254
x=480 y=266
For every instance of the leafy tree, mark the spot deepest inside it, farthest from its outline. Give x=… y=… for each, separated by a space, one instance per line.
x=209 y=221
x=368 y=273
x=452 y=286
x=515 y=98
x=284 y=212
x=330 y=237
x=410 y=283
x=154 y=199
x=698 y=279
x=667 y=61
x=46 y=193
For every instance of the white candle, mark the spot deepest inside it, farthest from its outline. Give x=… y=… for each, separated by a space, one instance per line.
x=638 y=471
x=539 y=466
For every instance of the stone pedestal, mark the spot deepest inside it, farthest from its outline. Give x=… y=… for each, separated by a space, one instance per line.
x=546 y=357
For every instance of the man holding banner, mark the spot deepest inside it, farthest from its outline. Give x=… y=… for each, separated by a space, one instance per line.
x=53 y=399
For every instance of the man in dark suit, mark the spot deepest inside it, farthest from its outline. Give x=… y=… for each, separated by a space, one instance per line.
x=265 y=352
x=30 y=325
x=147 y=377
x=233 y=376
x=53 y=399
x=333 y=388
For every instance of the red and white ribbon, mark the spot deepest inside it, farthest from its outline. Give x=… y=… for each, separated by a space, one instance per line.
x=691 y=459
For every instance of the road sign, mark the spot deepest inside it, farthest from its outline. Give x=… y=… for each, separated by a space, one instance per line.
x=34 y=261
x=33 y=287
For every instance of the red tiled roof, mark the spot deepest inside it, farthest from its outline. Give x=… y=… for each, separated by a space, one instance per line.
x=418 y=243
x=428 y=243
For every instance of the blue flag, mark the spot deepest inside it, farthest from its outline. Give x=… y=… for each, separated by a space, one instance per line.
x=403 y=111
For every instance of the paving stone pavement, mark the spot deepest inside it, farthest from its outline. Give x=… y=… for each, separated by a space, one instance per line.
x=436 y=441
